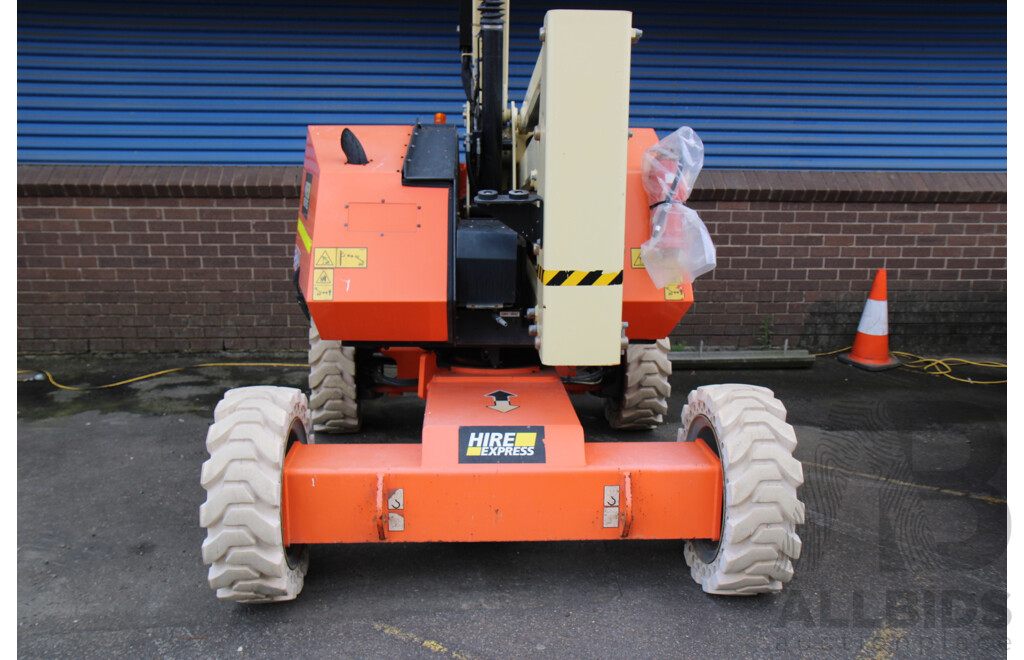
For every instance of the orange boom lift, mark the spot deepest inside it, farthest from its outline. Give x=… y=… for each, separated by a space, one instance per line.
x=493 y=288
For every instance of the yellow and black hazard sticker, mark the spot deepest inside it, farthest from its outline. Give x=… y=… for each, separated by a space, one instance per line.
x=674 y=292
x=323 y=284
x=325 y=258
x=578 y=277
x=340 y=257
x=352 y=257
x=635 y=260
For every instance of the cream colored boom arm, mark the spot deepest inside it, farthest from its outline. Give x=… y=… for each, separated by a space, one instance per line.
x=577 y=110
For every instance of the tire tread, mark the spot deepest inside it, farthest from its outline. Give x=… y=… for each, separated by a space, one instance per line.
x=332 y=385
x=759 y=540
x=646 y=388
x=242 y=512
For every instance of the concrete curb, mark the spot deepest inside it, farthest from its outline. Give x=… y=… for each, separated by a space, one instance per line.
x=770 y=359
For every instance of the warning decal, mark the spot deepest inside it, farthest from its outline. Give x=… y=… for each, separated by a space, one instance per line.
x=501 y=444
x=345 y=257
x=634 y=258
x=323 y=284
x=325 y=258
x=352 y=257
x=674 y=292
x=340 y=257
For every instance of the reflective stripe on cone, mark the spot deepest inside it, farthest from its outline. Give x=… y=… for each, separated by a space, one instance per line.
x=871 y=346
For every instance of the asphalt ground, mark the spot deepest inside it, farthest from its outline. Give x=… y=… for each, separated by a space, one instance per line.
x=905 y=544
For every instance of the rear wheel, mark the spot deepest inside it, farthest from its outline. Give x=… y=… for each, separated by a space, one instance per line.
x=252 y=430
x=645 y=388
x=746 y=426
x=332 y=385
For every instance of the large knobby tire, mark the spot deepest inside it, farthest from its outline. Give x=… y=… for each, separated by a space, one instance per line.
x=746 y=426
x=244 y=546
x=645 y=388
x=332 y=385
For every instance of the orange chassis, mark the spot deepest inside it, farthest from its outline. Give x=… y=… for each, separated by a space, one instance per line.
x=435 y=491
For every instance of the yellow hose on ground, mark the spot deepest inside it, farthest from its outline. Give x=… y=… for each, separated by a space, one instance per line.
x=933 y=366
x=937 y=366
x=53 y=382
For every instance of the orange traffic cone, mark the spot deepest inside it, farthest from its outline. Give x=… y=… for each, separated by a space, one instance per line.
x=871 y=346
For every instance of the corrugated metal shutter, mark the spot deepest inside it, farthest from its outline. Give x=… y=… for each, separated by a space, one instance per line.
x=785 y=85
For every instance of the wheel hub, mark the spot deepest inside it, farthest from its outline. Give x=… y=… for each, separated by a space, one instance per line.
x=702 y=429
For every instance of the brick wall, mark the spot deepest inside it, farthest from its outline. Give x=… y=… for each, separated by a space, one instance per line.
x=117 y=259
x=192 y=259
x=802 y=271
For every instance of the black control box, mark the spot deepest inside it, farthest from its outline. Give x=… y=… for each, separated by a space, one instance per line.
x=485 y=263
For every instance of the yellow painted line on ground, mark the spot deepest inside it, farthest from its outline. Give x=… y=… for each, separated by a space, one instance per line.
x=883 y=644
x=897 y=482
x=436 y=647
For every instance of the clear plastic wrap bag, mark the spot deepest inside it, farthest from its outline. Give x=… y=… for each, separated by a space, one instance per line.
x=670 y=167
x=680 y=248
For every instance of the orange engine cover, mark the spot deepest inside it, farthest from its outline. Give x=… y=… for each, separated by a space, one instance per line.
x=373 y=253
x=652 y=313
